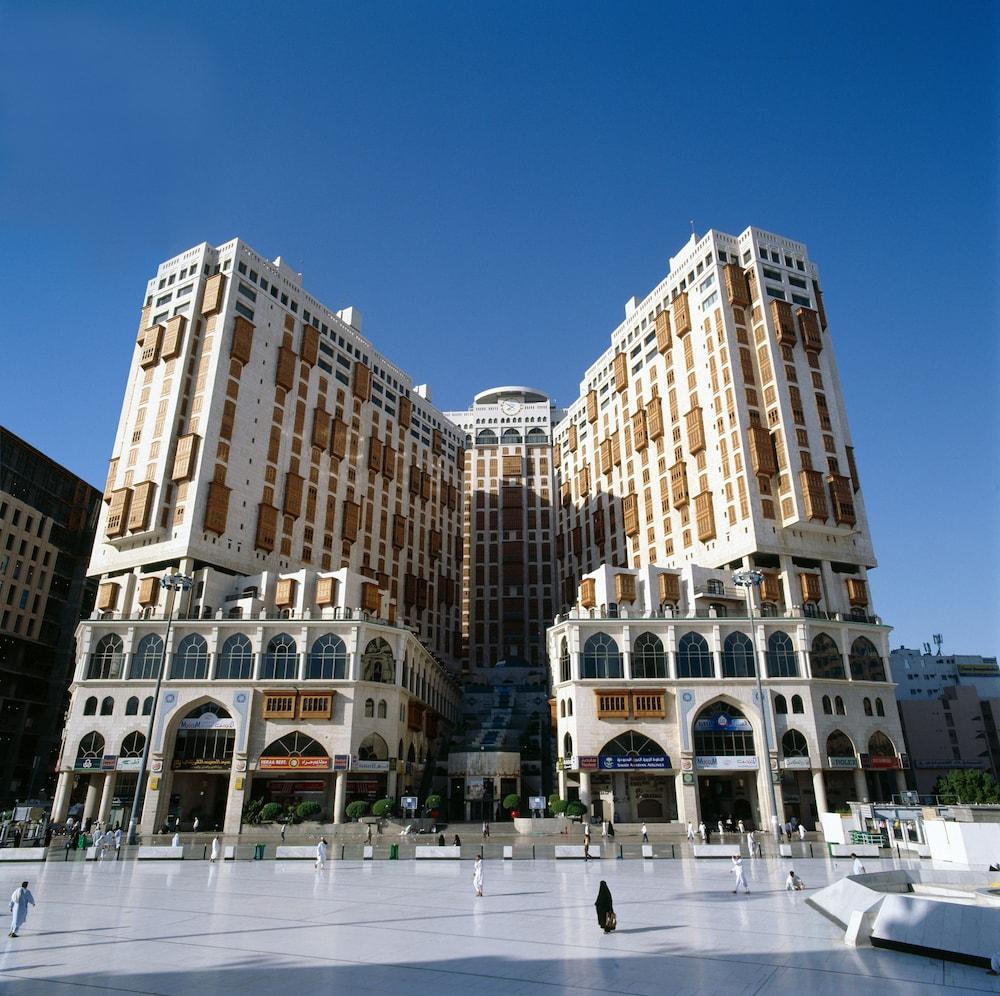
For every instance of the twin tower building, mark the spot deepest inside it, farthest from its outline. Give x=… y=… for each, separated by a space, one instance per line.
x=386 y=600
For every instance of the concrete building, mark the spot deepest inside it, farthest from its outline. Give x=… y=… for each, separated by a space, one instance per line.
x=47 y=521
x=269 y=452
x=923 y=675
x=711 y=436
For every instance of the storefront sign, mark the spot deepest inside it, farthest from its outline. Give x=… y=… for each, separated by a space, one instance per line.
x=536 y=802
x=199 y=764
x=842 y=762
x=945 y=764
x=686 y=764
x=983 y=668
x=408 y=802
x=795 y=762
x=90 y=764
x=722 y=721
x=341 y=762
x=586 y=762
x=619 y=762
x=357 y=787
x=740 y=762
x=129 y=763
x=277 y=786
x=209 y=721
x=359 y=765
x=904 y=761
x=292 y=763
x=688 y=778
x=109 y=762
x=873 y=763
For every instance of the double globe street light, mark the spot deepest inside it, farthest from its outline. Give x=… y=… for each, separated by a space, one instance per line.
x=172 y=582
x=748 y=580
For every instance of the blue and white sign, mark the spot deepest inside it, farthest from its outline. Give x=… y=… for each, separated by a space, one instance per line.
x=723 y=722
x=625 y=762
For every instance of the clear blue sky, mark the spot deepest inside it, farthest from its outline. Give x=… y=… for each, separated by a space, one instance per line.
x=490 y=182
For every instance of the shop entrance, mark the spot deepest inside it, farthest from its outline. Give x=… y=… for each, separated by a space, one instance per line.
x=726 y=763
x=724 y=797
x=202 y=759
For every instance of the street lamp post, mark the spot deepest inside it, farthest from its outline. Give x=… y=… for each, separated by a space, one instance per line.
x=748 y=580
x=172 y=582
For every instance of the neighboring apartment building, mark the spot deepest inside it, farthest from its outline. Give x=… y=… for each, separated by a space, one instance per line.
x=949 y=705
x=269 y=452
x=47 y=521
x=712 y=436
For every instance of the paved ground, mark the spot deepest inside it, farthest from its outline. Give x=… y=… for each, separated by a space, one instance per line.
x=415 y=927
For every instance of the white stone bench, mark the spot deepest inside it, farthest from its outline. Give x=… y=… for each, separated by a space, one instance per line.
x=434 y=851
x=647 y=850
x=229 y=852
x=369 y=852
x=861 y=850
x=148 y=853
x=795 y=850
x=297 y=852
x=716 y=850
x=508 y=851
x=576 y=851
x=22 y=853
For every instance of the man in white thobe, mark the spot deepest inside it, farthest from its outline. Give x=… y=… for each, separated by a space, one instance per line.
x=691 y=832
x=477 y=876
x=20 y=900
x=321 y=853
x=176 y=840
x=741 y=879
x=802 y=832
x=751 y=844
x=215 y=849
x=703 y=830
x=859 y=868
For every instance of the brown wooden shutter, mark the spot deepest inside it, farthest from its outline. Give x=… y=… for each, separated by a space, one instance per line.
x=309 y=351
x=267 y=527
x=681 y=315
x=784 y=326
x=663 y=331
x=736 y=285
x=184 y=457
x=217 y=507
x=173 y=337
x=704 y=516
x=215 y=289
x=284 y=372
x=241 y=346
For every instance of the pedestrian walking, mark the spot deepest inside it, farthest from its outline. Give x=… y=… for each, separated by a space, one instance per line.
x=729 y=824
x=215 y=849
x=368 y=838
x=690 y=832
x=194 y=826
x=486 y=829
x=740 y=827
x=750 y=844
x=741 y=879
x=176 y=840
x=282 y=834
x=118 y=838
x=703 y=830
x=611 y=829
x=721 y=831
x=586 y=842
x=859 y=868
x=645 y=836
x=793 y=883
x=321 y=853
x=802 y=832
x=20 y=900
x=606 y=918
x=604 y=829
x=477 y=875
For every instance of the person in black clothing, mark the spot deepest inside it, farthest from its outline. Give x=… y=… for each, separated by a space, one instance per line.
x=604 y=906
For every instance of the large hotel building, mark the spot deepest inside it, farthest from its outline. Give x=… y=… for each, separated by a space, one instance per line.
x=353 y=551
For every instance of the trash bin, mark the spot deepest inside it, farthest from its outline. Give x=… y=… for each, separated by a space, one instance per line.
x=394 y=852
x=258 y=852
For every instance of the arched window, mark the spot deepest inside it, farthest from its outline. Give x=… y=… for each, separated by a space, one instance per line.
x=562 y=708
x=631 y=744
x=281 y=662
x=694 y=659
x=147 y=658
x=107 y=706
x=567 y=746
x=373 y=748
x=827 y=706
x=793 y=744
x=866 y=665
x=510 y=437
x=737 y=656
x=411 y=755
x=569 y=707
x=378 y=664
x=536 y=437
x=370 y=708
x=879 y=708
x=601 y=658
x=132 y=706
x=838 y=706
x=780 y=705
x=205 y=739
x=295 y=744
x=564 y=664
x=235 y=663
x=381 y=709
x=838 y=744
x=721 y=730
x=132 y=745
x=826 y=660
x=327 y=659
x=648 y=657
x=90 y=752
x=486 y=437
x=147 y=705
x=190 y=660
x=782 y=661
x=879 y=745
x=797 y=706
x=90 y=706
x=867 y=704
x=106 y=661
x=400 y=751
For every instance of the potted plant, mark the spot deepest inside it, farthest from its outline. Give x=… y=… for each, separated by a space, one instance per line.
x=383 y=807
x=270 y=811
x=512 y=803
x=308 y=810
x=575 y=809
x=357 y=809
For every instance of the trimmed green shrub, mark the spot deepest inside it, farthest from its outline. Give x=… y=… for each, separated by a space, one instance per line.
x=575 y=808
x=383 y=807
x=357 y=809
x=553 y=798
x=512 y=801
x=557 y=805
x=433 y=802
x=308 y=810
x=251 y=811
x=271 y=811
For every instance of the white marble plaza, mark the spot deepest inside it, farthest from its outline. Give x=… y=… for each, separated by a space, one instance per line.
x=415 y=927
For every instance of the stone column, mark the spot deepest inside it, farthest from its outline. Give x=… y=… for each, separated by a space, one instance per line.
x=106 y=796
x=239 y=791
x=390 y=785
x=155 y=803
x=687 y=801
x=60 y=803
x=90 y=803
x=585 y=789
x=860 y=785
x=562 y=783
x=819 y=790
x=901 y=781
x=339 y=796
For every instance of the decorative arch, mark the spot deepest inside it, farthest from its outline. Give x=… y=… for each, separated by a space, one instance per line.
x=281 y=661
x=694 y=659
x=866 y=664
x=510 y=437
x=536 y=437
x=569 y=707
x=147 y=658
x=190 y=660
x=562 y=709
x=867 y=705
x=782 y=661
x=381 y=712
x=91 y=749
x=601 y=657
x=879 y=745
x=132 y=706
x=90 y=706
x=206 y=734
x=486 y=437
x=780 y=705
x=294 y=744
x=373 y=748
x=106 y=660
x=827 y=706
x=107 y=706
x=133 y=744
x=369 y=708
x=649 y=660
x=794 y=744
x=567 y=745
x=411 y=755
x=721 y=730
x=839 y=744
x=565 y=673
x=327 y=659
x=377 y=662
x=147 y=705
x=826 y=659
x=838 y=706
x=235 y=662
x=632 y=744
x=737 y=656
x=879 y=708
x=797 y=706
